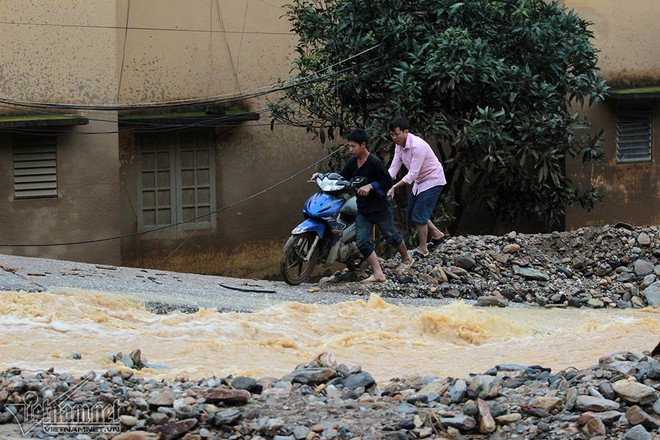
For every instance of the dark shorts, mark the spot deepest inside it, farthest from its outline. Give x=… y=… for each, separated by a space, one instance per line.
x=363 y=230
x=421 y=206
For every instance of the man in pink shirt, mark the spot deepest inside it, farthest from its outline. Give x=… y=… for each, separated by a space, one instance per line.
x=427 y=177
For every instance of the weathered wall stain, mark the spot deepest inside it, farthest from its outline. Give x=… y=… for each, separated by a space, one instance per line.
x=250 y=260
x=627 y=35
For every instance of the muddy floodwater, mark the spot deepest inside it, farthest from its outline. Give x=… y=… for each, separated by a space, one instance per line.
x=44 y=330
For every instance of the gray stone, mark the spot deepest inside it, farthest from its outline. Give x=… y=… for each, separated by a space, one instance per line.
x=634 y=392
x=647 y=281
x=590 y=403
x=637 y=302
x=229 y=417
x=247 y=383
x=570 y=399
x=643 y=239
x=643 y=267
x=626 y=277
x=485 y=386
x=6 y=417
x=158 y=418
x=458 y=390
x=595 y=303
x=407 y=408
x=653 y=371
x=362 y=379
x=311 y=376
x=529 y=273
x=465 y=261
x=128 y=421
x=460 y=422
x=492 y=301
x=300 y=432
x=652 y=294
x=605 y=388
x=164 y=398
x=637 y=433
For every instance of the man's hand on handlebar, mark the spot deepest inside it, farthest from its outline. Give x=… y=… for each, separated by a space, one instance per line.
x=364 y=190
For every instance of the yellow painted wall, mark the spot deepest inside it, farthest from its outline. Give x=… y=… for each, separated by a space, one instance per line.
x=102 y=53
x=628 y=36
x=63 y=52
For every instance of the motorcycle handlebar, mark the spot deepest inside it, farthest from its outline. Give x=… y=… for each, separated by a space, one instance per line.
x=356 y=182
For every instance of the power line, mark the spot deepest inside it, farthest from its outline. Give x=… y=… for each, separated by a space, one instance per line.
x=218 y=99
x=160 y=228
x=152 y=127
x=139 y=28
x=123 y=55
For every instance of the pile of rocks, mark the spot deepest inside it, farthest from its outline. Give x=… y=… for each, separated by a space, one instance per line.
x=617 y=398
x=615 y=266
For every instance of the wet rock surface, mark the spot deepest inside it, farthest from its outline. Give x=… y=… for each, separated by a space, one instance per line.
x=618 y=397
x=615 y=266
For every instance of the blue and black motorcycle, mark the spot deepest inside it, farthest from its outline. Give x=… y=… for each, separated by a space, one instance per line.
x=327 y=235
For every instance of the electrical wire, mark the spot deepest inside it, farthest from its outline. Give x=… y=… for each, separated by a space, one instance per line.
x=123 y=55
x=156 y=127
x=217 y=99
x=137 y=28
x=160 y=228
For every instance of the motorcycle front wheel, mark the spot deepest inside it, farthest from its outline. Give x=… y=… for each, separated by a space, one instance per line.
x=293 y=266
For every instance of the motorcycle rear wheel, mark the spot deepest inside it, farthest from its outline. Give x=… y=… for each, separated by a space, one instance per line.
x=293 y=266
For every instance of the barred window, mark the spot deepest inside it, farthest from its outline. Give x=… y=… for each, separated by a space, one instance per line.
x=633 y=134
x=35 y=167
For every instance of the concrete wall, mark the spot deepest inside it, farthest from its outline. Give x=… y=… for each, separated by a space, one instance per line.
x=63 y=52
x=97 y=52
x=224 y=49
x=627 y=35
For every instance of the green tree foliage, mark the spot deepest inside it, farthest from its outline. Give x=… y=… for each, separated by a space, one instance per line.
x=489 y=83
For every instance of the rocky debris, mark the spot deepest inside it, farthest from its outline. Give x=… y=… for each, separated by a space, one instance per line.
x=132 y=360
x=614 y=266
x=617 y=398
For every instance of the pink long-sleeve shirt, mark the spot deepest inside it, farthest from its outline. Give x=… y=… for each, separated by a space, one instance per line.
x=424 y=169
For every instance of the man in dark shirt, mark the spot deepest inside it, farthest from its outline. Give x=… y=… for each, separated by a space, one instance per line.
x=373 y=206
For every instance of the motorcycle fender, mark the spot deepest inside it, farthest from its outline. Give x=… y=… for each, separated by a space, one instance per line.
x=310 y=225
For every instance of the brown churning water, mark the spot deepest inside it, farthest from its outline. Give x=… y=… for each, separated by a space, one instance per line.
x=43 y=330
